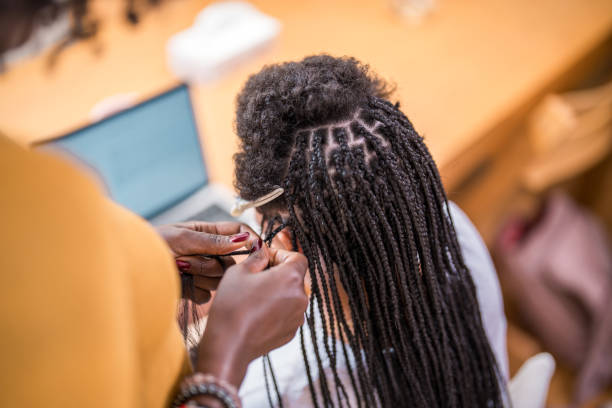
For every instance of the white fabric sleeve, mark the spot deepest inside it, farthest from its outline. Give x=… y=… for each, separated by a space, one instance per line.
x=488 y=291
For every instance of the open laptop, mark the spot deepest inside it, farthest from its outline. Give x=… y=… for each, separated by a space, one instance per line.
x=150 y=160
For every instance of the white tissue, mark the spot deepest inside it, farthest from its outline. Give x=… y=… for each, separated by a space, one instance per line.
x=222 y=35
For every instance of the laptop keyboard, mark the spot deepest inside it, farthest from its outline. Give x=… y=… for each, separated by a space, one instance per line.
x=213 y=213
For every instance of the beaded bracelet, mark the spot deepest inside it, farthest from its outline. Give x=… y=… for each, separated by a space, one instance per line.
x=206 y=384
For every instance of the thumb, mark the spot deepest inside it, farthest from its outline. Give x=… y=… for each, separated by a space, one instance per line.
x=195 y=242
x=258 y=260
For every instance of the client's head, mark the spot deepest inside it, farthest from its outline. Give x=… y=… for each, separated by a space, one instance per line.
x=364 y=202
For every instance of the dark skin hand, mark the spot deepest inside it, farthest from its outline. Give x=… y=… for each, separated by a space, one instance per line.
x=256 y=309
x=254 y=312
x=190 y=238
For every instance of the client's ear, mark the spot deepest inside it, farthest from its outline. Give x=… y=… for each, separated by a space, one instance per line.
x=283 y=238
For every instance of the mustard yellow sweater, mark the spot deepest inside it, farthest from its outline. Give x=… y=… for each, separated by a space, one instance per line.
x=88 y=294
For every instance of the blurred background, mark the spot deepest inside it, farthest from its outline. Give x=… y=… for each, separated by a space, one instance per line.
x=514 y=99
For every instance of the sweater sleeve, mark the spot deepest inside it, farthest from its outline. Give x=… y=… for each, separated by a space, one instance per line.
x=88 y=294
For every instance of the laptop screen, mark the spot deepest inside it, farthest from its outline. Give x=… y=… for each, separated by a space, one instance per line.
x=149 y=156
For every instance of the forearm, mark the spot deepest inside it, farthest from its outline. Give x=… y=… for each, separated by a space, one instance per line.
x=222 y=361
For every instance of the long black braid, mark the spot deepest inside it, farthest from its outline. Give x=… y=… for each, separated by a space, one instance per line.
x=364 y=202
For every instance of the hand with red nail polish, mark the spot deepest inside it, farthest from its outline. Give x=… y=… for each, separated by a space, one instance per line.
x=186 y=240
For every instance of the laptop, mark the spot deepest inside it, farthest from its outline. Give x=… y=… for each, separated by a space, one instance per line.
x=150 y=160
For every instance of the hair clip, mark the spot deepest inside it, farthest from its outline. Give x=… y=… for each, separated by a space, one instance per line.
x=241 y=205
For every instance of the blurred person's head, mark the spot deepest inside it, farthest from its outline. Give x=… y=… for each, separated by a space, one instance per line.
x=364 y=202
x=20 y=18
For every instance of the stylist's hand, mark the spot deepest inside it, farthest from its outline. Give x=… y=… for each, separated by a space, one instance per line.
x=191 y=238
x=254 y=312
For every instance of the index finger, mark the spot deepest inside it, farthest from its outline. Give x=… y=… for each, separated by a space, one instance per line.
x=219 y=228
x=257 y=261
x=215 y=238
x=280 y=258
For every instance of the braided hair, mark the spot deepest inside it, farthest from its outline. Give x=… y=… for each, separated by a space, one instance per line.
x=364 y=202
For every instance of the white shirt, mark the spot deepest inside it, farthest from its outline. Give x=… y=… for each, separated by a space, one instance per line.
x=288 y=362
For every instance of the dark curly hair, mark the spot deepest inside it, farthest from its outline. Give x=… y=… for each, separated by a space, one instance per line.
x=364 y=201
x=284 y=98
x=20 y=18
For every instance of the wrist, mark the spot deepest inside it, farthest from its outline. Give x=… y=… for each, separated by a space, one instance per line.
x=206 y=390
x=209 y=401
x=222 y=357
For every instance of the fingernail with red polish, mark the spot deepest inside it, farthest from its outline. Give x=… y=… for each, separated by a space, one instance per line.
x=243 y=236
x=183 y=265
x=257 y=245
